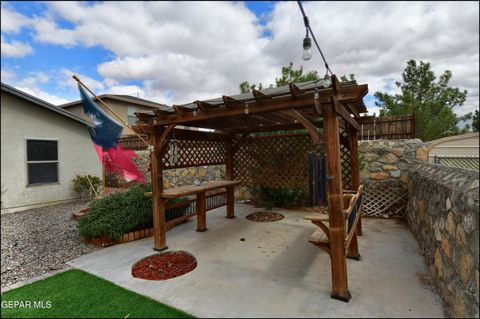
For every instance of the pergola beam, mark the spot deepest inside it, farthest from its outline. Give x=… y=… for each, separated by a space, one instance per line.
x=204 y=106
x=260 y=97
x=181 y=110
x=311 y=129
x=272 y=105
x=340 y=110
x=294 y=90
x=230 y=102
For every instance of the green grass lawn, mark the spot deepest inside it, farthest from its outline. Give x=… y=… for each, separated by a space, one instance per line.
x=78 y=294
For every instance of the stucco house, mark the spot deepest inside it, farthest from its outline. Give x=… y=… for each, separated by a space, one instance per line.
x=124 y=106
x=458 y=151
x=43 y=147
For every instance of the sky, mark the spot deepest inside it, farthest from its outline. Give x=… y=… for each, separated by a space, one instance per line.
x=179 y=52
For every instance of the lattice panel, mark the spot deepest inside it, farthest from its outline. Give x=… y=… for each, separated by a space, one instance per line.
x=345 y=161
x=273 y=161
x=189 y=153
x=385 y=199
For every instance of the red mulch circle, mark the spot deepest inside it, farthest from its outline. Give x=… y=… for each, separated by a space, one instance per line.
x=265 y=217
x=164 y=266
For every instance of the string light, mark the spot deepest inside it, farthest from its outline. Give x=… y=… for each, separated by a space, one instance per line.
x=307 y=39
x=246 y=108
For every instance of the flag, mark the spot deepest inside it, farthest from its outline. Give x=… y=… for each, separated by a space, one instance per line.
x=120 y=161
x=104 y=134
x=106 y=131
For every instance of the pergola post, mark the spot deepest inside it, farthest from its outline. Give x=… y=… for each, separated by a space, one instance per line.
x=335 y=203
x=158 y=204
x=160 y=146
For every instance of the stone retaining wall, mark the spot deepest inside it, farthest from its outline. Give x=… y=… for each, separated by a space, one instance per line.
x=389 y=160
x=180 y=176
x=443 y=214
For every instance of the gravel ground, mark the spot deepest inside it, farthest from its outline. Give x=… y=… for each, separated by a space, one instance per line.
x=40 y=240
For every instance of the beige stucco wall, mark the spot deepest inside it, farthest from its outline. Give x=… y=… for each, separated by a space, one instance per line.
x=461 y=145
x=20 y=120
x=119 y=107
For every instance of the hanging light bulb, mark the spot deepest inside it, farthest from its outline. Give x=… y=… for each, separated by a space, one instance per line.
x=246 y=108
x=307 y=48
x=327 y=81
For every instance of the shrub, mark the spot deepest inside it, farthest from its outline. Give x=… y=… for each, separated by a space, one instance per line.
x=280 y=197
x=114 y=180
x=122 y=212
x=82 y=186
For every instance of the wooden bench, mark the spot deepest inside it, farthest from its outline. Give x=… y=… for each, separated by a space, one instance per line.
x=321 y=236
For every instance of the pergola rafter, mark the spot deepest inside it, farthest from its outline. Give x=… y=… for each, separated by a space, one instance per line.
x=307 y=106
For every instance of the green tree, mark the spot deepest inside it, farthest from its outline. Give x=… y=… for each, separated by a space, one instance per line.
x=431 y=102
x=289 y=75
x=476 y=121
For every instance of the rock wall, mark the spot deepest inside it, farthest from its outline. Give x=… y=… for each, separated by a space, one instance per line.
x=180 y=176
x=443 y=214
x=389 y=160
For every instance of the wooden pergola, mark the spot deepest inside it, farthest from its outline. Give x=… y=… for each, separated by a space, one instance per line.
x=322 y=111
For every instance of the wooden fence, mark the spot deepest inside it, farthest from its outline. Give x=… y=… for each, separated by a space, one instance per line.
x=387 y=128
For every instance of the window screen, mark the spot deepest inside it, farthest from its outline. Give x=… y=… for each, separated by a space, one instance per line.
x=42 y=161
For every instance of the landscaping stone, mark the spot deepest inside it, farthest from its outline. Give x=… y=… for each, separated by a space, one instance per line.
x=422 y=154
x=40 y=240
x=395 y=173
x=388 y=158
x=389 y=167
x=379 y=176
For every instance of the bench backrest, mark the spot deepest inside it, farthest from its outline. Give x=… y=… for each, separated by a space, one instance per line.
x=354 y=208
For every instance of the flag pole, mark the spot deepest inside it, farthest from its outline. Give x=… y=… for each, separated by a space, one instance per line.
x=104 y=104
x=91 y=184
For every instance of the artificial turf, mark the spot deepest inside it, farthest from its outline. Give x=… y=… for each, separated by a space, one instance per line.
x=77 y=294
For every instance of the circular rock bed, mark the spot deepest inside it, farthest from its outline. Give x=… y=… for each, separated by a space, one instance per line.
x=265 y=217
x=164 y=266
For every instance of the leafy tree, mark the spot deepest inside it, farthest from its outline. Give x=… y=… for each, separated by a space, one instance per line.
x=291 y=75
x=476 y=121
x=431 y=102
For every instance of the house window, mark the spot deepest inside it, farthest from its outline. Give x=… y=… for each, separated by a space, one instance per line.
x=131 y=115
x=42 y=161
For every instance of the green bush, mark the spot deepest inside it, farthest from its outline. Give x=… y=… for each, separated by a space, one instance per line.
x=122 y=212
x=82 y=186
x=279 y=197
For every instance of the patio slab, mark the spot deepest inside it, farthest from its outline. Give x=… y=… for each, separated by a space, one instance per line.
x=275 y=272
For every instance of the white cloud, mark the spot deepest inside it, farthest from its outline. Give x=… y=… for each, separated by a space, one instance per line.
x=31 y=85
x=12 y=21
x=49 y=32
x=374 y=40
x=41 y=94
x=183 y=51
x=15 y=49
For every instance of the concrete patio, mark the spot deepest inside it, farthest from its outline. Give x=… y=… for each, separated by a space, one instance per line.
x=275 y=272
